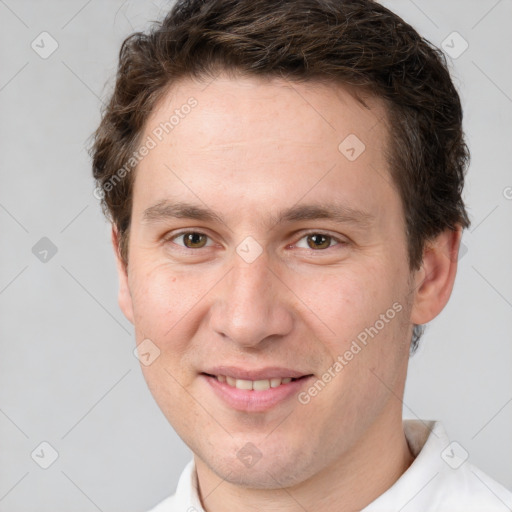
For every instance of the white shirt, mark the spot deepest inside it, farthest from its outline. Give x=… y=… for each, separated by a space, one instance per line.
x=440 y=479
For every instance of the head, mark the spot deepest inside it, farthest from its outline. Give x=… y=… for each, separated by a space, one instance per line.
x=284 y=183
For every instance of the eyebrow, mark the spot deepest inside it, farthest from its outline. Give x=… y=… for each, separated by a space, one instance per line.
x=166 y=210
x=342 y=214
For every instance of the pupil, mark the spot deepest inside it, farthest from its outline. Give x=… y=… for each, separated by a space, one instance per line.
x=319 y=241
x=194 y=239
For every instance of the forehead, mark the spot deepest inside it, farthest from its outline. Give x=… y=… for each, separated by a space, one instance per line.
x=265 y=139
x=246 y=107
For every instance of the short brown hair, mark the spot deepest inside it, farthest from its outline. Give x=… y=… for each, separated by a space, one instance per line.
x=353 y=42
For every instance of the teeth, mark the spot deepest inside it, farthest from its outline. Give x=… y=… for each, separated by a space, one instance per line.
x=275 y=382
x=243 y=384
x=261 y=385
x=256 y=385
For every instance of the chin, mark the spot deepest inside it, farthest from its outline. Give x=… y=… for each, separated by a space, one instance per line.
x=264 y=476
x=270 y=469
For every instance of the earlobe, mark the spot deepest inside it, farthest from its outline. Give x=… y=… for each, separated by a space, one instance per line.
x=124 y=297
x=434 y=280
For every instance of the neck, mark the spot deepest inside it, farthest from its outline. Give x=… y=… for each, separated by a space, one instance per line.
x=372 y=466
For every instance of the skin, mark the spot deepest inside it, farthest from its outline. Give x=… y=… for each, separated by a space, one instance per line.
x=249 y=149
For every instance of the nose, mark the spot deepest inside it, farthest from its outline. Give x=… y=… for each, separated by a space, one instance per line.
x=252 y=304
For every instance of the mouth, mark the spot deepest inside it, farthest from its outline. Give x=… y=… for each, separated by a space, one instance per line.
x=254 y=395
x=255 y=385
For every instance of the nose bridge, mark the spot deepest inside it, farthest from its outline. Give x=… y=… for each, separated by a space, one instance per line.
x=251 y=304
x=250 y=284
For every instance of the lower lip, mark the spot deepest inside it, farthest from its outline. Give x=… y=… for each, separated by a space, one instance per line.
x=255 y=401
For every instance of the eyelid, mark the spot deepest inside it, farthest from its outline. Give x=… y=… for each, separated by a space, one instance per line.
x=170 y=237
x=340 y=240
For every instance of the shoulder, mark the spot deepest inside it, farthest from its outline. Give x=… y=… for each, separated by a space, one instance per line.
x=167 y=505
x=186 y=498
x=441 y=479
x=470 y=489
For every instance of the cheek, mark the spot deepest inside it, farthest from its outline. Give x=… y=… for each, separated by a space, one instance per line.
x=345 y=301
x=164 y=305
x=366 y=313
x=366 y=309
x=162 y=298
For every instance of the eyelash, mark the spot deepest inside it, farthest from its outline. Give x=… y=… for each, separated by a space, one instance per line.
x=305 y=235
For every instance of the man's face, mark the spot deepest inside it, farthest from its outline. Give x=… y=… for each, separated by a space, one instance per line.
x=270 y=282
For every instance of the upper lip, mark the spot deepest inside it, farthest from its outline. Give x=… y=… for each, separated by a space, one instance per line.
x=270 y=372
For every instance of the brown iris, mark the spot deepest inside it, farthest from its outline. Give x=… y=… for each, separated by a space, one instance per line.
x=194 y=240
x=319 y=241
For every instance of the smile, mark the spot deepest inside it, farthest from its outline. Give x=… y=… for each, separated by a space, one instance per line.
x=256 y=385
x=254 y=395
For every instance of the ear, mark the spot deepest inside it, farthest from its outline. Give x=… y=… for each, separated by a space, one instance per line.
x=433 y=282
x=124 y=297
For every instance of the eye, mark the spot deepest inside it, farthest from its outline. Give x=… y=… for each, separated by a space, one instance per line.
x=191 y=239
x=318 y=241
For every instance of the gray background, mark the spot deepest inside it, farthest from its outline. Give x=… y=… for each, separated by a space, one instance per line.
x=68 y=374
